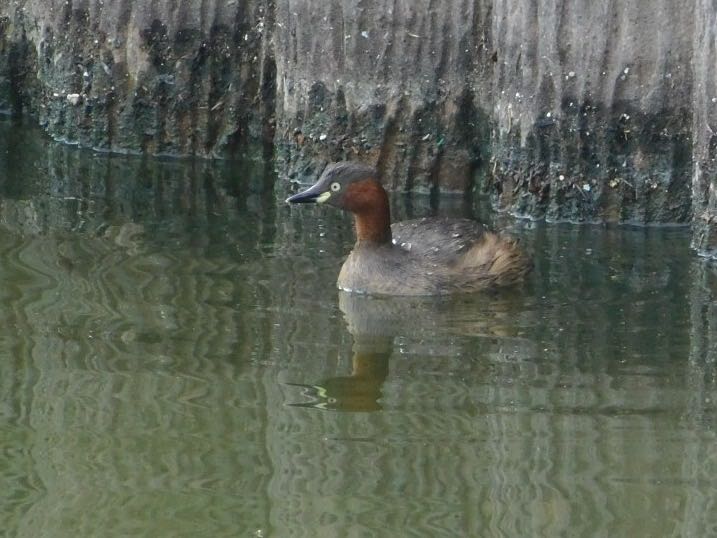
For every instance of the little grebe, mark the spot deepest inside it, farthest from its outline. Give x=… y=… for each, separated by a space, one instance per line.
x=429 y=256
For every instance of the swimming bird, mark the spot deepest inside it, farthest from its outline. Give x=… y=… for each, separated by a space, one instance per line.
x=428 y=256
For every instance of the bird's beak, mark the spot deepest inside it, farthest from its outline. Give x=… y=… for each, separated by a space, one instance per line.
x=315 y=194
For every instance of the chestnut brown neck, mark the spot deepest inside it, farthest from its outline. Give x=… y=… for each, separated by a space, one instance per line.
x=368 y=201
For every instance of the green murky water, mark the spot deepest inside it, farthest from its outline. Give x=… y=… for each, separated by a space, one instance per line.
x=175 y=361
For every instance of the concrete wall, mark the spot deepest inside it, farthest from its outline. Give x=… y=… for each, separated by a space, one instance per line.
x=561 y=110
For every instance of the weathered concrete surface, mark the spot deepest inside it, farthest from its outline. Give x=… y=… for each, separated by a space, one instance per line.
x=563 y=112
x=162 y=77
x=704 y=126
x=590 y=111
x=393 y=82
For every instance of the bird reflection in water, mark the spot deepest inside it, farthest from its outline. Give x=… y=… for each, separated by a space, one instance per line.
x=359 y=391
x=374 y=322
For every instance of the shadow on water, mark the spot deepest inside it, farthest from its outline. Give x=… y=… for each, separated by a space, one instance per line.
x=171 y=337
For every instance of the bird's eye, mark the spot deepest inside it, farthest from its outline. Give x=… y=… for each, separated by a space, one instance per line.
x=335 y=186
